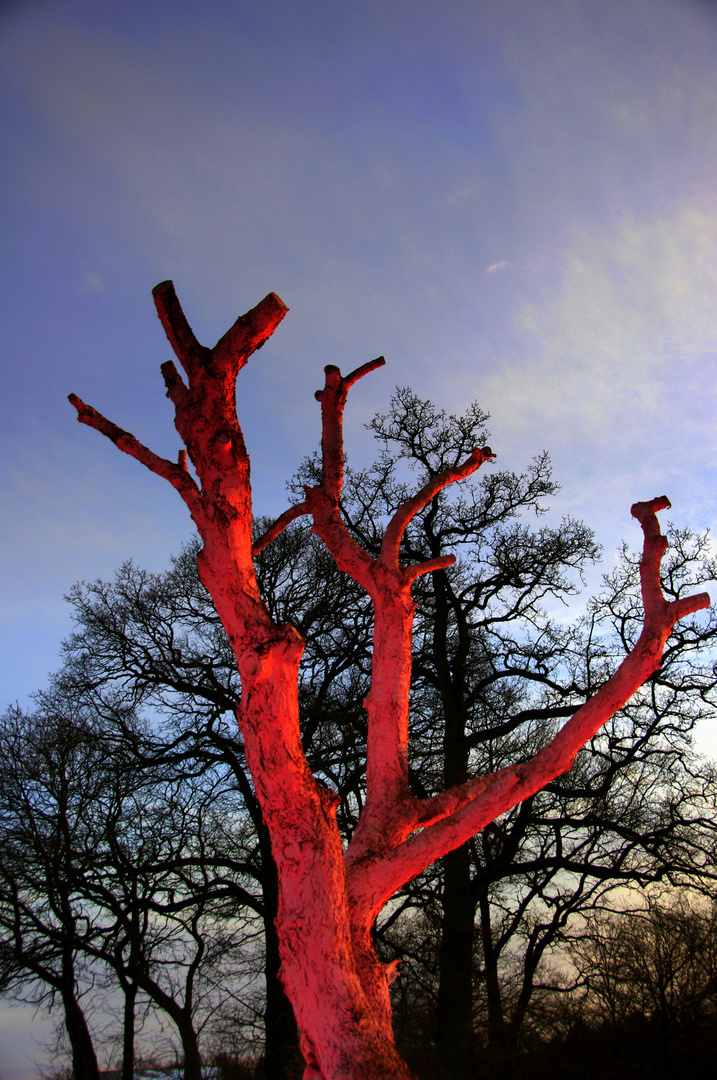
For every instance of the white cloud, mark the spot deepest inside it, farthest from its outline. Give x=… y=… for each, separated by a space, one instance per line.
x=496 y=267
x=92 y=282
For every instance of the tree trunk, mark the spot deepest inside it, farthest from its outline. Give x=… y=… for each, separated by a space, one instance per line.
x=454 y=1036
x=84 y=1059
x=282 y=1056
x=328 y=964
x=130 y=998
x=190 y=1048
x=494 y=1002
x=454 y=1029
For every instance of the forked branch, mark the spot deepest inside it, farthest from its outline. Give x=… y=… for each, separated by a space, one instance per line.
x=408 y=510
x=205 y=415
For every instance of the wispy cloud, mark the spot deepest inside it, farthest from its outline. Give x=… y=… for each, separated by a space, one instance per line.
x=497 y=267
x=629 y=331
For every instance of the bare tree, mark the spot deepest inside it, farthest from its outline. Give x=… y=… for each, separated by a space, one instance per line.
x=41 y=924
x=492 y=675
x=154 y=642
x=329 y=898
x=116 y=872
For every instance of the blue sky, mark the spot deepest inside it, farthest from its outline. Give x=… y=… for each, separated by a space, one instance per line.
x=513 y=200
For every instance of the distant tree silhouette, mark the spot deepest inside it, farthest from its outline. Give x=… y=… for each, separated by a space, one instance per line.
x=650 y=979
x=115 y=873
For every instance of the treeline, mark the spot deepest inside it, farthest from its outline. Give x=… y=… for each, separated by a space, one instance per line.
x=135 y=870
x=632 y=992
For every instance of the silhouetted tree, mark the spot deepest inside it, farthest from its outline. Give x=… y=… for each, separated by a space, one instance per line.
x=494 y=670
x=47 y=774
x=110 y=865
x=490 y=667
x=650 y=980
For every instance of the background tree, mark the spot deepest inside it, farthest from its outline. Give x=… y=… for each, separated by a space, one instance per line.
x=47 y=773
x=154 y=642
x=119 y=872
x=494 y=671
x=650 y=986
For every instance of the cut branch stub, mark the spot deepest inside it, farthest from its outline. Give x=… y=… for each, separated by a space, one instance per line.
x=179 y=333
x=333 y=399
x=177 y=474
x=248 y=333
x=654 y=548
x=205 y=416
x=323 y=501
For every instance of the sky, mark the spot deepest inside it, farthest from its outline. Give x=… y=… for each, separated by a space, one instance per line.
x=514 y=201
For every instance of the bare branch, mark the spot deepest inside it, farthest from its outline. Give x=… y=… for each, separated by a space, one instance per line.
x=177 y=475
x=442 y=562
x=233 y=349
x=176 y=390
x=334 y=395
x=278 y=526
x=380 y=875
x=248 y=333
x=448 y=802
x=179 y=333
x=333 y=399
x=408 y=510
x=363 y=369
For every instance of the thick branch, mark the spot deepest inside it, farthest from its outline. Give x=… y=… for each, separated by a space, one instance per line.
x=248 y=333
x=333 y=399
x=177 y=474
x=205 y=417
x=442 y=562
x=179 y=333
x=233 y=349
x=323 y=501
x=389 y=812
x=408 y=510
x=278 y=526
x=448 y=802
x=466 y=810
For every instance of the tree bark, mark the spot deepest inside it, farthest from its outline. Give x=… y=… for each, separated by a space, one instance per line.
x=454 y=1028
x=454 y=1032
x=494 y=1000
x=340 y=1005
x=282 y=1056
x=190 y=1049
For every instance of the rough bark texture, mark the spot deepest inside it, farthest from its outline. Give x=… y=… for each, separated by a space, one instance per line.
x=454 y=1006
x=282 y=1058
x=329 y=898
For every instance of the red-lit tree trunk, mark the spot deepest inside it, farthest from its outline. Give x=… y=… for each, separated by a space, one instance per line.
x=329 y=898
